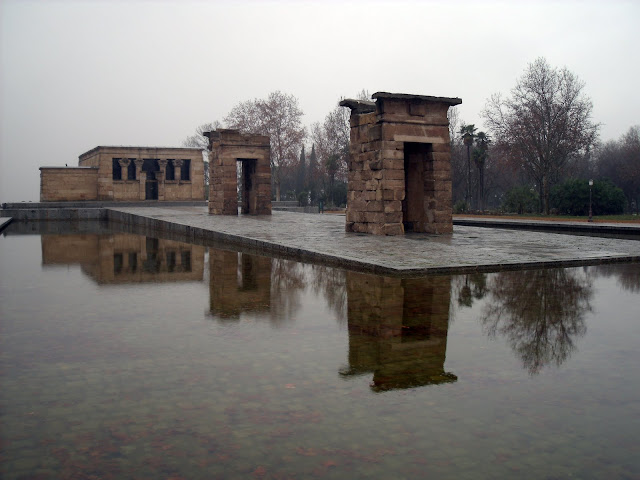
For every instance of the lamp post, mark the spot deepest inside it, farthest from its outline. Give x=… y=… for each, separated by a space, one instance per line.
x=590 y=210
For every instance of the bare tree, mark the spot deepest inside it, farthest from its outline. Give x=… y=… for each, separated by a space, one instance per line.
x=279 y=117
x=363 y=95
x=200 y=141
x=545 y=122
x=331 y=139
x=453 y=115
x=619 y=161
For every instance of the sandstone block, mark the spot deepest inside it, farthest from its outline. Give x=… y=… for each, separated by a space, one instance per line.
x=374 y=217
x=393 y=164
x=393 y=229
x=372 y=184
x=392 y=184
x=359 y=227
x=369 y=195
x=375 y=229
x=393 y=217
x=444 y=217
x=374 y=206
x=393 y=174
x=393 y=206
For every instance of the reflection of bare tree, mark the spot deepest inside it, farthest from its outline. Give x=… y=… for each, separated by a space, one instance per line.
x=332 y=282
x=628 y=275
x=470 y=287
x=287 y=283
x=540 y=312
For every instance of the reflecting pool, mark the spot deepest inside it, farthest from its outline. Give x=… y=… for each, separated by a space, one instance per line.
x=130 y=356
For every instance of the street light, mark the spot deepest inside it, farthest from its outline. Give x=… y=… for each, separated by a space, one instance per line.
x=590 y=210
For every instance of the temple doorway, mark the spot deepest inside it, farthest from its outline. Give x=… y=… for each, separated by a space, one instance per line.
x=247 y=186
x=419 y=185
x=151 y=167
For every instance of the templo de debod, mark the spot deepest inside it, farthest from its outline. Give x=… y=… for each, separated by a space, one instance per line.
x=127 y=174
x=399 y=169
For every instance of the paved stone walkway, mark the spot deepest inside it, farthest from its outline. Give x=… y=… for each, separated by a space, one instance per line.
x=4 y=221
x=322 y=238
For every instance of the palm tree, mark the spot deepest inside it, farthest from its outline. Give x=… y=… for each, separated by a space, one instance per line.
x=480 y=158
x=468 y=133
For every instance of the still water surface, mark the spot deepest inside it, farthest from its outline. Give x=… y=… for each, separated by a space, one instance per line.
x=128 y=356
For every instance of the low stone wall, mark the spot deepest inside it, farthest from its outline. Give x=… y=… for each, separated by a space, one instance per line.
x=72 y=211
x=54 y=214
x=68 y=184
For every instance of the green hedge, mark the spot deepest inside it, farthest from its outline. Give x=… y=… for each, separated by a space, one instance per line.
x=572 y=198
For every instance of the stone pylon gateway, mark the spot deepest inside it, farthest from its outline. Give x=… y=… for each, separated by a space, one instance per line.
x=228 y=148
x=399 y=176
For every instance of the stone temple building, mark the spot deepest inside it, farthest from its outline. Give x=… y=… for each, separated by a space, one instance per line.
x=127 y=174
x=399 y=176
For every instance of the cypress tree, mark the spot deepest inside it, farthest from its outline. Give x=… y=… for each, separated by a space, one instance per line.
x=312 y=174
x=302 y=173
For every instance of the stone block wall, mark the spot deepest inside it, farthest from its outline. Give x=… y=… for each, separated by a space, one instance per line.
x=126 y=190
x=227 y=149
x=60 y=184
x=399 y=175
x=136 y=189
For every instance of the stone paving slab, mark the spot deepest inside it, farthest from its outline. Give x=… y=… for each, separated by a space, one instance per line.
x=322 y=238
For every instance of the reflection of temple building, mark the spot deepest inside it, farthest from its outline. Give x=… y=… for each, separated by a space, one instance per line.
x=126 y=258
x=238 y=283
x=398 y=330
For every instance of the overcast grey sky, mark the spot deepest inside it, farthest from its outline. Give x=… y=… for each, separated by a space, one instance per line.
x=77 y=74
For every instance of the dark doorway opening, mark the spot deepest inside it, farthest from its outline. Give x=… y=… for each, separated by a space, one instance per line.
x=151 y=190
x=151 y=166
x=418 y=184
x=248 y=184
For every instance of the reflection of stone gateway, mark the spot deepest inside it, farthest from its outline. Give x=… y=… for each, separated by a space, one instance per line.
x=399 y=165
x=238 y=283
x=398 y=330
